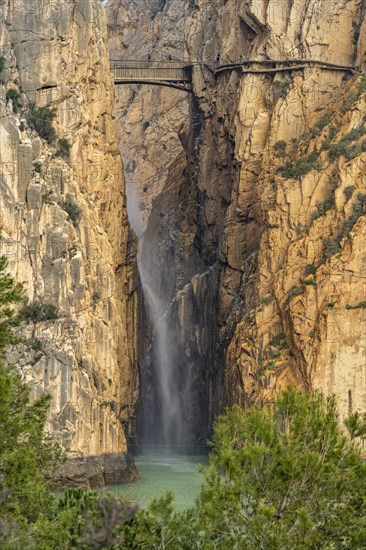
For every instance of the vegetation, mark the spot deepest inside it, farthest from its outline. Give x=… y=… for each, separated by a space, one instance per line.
x=360 y=305
x=294 y=291
x=348 y=191
x=300 y=167
x=280 y=148
x=330 y=248
x=72 y=209
x=63 y=148
x=39 y=312
x=282 y=476
x=31 y=516
x=40 y=119
x=282 y=87
x=2 y=63
x=14 y=96
x=11 y=293
x=322 y=208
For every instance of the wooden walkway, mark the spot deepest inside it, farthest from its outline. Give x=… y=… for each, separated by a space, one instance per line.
x=178 y=75
x=172 y=75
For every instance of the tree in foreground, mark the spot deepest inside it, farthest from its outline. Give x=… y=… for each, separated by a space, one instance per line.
x=284 y=476
x=31 y=516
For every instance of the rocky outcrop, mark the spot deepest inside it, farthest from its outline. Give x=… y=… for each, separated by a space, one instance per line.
x=257 y=234
x=291 y=281
x=65 y=231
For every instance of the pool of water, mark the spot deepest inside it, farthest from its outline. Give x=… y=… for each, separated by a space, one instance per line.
x=158 y=474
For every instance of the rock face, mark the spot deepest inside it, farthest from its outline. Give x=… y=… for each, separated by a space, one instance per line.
x=290 y=196
x=65 y=232
x=256 y=223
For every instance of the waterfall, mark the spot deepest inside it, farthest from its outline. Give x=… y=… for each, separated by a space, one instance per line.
x=162 y=415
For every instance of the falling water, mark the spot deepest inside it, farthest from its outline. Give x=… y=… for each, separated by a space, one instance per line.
x=162 y=409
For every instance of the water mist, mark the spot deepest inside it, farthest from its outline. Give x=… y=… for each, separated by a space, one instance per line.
x=162 y=406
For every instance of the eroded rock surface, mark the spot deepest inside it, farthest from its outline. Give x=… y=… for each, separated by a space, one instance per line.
x=66 y=234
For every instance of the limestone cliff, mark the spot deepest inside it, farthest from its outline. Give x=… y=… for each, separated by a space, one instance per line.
x=259 y=241
x=292 y=256
x=65 y=230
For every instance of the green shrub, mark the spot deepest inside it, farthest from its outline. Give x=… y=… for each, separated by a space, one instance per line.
x=2 y=63
x=330 y=247
x=322 y=208
x=300 y=167
x=72 y=209
x=348 y=191
x=280 y=148
x=294 y=291
x=39 y=312
x=63 y=148
x=320 y=125
x=310 y=282
x=282 y=87
x=14 y=95
x=40 y=119
x=359 y=209
x=360 y=305
x=310 y=269
x=277 y=340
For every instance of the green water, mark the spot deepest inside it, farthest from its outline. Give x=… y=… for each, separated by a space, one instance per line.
x=159 y=474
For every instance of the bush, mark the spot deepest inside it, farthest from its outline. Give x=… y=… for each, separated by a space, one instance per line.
x=300 y=167
x=2 y=63
x=294 y=291
x=322 y=208
x=310 y=269
x=280 y=148
x=360 y=305
x=39 y=312
x=63 y=148
x=330 y=247
x=282 y=87
x=40 y=119
x=348 y=191
x=268 y=467
x=14 y=95
x=72 y=209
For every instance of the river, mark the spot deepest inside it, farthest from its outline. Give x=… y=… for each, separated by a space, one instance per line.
x=160 y=473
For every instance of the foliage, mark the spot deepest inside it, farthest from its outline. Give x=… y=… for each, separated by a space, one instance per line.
x=348 y=191
x=345 y=147
x=300 y=167
x=72 y=209
x=2 y=63
x=282 y=87
x=330 y=248
x=310 y=269
x=294 y=291
x=14 y=95
x=11 y=293
x=280 y=148
x=31 y=516
x=281 y=476
x=63 y=148
x=40 y=312
x=360 y=305
x=40 y=119
x=322 y=208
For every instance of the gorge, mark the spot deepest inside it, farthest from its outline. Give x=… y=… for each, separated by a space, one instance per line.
x=229 y=259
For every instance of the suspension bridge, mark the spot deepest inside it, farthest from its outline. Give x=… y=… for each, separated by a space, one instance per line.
x=178 y=75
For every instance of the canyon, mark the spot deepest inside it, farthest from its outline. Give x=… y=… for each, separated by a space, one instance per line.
x=246 y=206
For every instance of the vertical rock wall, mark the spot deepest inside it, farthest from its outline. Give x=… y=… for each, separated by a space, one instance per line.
x=292 y=262
x=66 y=234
